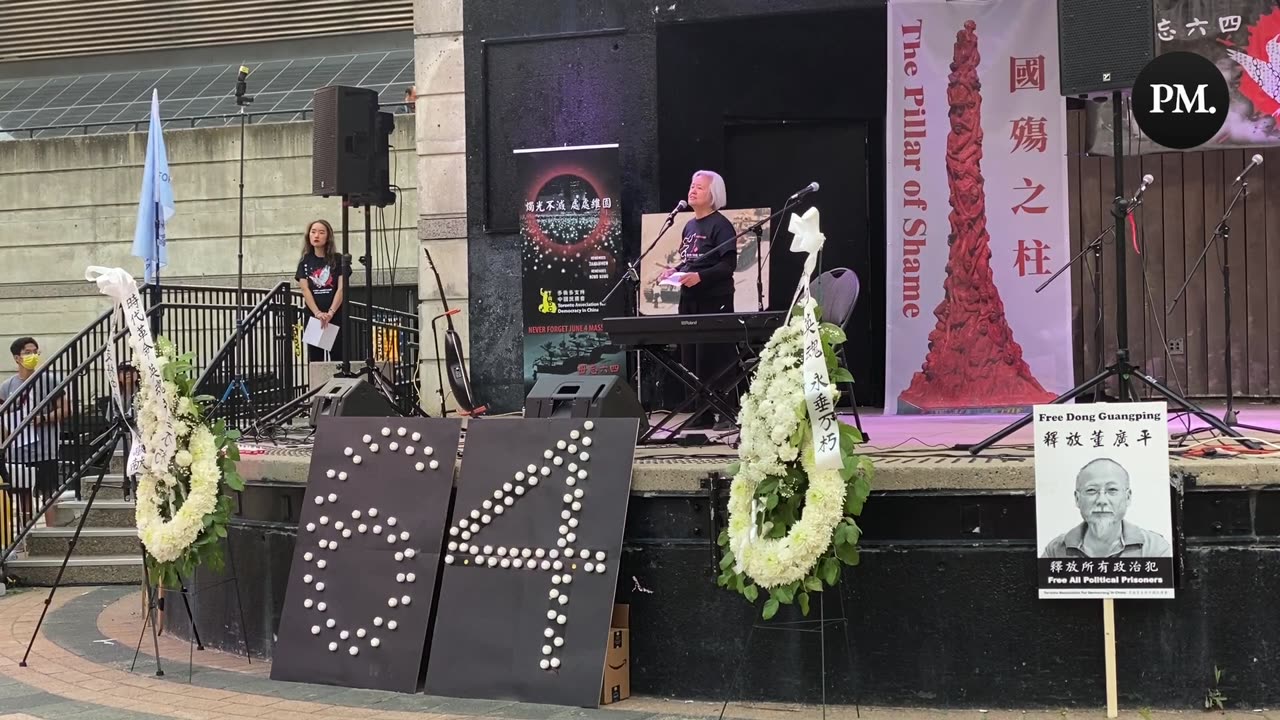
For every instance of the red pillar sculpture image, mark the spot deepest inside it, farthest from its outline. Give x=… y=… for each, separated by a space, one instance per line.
x=973 y=360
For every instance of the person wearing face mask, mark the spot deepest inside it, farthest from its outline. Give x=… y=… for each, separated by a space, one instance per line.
x=707 y=262
x=1102 y=497
x=32 y=455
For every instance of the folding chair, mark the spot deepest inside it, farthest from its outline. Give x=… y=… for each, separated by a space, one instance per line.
x=837 y=294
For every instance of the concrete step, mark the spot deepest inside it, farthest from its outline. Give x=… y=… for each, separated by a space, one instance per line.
x=104 y=513
x=93 y=542
x=117 y=462
x=41 y=570
x=112 y=487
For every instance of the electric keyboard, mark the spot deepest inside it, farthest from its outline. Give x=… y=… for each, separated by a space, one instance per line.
x=648 y=330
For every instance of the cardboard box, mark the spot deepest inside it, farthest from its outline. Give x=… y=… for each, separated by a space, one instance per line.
x=617 y=658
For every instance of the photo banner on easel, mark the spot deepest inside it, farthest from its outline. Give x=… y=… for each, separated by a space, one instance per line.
x=976 y=209
x=657 y=298
x=572 y=255
x=1104 y=518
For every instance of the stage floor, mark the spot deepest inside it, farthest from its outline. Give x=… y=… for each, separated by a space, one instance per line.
x=911 y=452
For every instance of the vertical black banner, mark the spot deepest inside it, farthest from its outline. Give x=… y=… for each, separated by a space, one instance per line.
x=571 y=237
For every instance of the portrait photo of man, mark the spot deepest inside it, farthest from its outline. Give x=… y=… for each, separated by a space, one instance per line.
x=1102 y=496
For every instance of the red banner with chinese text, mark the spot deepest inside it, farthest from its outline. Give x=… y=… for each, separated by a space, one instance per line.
x=1239 y=36
x=977 y=202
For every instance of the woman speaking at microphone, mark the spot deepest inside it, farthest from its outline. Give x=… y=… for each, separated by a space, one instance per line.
x=708 y=258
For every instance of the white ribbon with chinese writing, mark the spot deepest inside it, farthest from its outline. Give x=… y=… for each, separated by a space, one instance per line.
x=817 y=386
x=123 y=290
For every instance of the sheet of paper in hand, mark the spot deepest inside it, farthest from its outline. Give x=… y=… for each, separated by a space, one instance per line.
x=1104 y=525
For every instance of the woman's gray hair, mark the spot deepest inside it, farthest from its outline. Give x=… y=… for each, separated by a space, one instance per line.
x=719 y=198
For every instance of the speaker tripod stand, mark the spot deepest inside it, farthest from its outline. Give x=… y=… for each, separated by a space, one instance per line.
x=369 y=371
x=1121 y=368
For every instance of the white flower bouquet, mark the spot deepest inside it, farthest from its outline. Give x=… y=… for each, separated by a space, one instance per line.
x=184 y=496
x=791 y=523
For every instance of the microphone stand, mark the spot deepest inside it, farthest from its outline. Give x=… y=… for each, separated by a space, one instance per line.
x=633 y=269
x=1229 y=416
x=760 y=268
x=1095 y=247
x=632 y=275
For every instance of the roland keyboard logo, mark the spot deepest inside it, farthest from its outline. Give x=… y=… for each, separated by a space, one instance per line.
x=689 y=323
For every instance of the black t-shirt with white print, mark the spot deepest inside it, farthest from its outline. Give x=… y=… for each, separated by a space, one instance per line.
x=321 y=277
x=703 y=250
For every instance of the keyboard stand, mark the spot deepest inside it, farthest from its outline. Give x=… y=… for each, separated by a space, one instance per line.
x=704 y=395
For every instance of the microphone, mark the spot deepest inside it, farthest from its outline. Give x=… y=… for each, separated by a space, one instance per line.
x=680 y=207
x=810 y=188
x=242 y=86
x=1254 y=162
x=1146 y=183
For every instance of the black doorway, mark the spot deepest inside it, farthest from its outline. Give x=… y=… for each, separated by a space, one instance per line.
x=774 y=104
x=767 y=162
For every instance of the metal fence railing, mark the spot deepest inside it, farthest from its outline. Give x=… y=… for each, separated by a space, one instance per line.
x=270 y=358
x=395 y=347
x=54 y=421
x=188 y=121
x=259 y=369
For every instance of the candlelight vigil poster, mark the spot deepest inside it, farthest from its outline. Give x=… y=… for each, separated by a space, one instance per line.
x=1239 y=36
x=571 y=247
x=977 y=203
x=1104 y=518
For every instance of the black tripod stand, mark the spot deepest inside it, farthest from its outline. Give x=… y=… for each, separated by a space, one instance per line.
x=369 y=370
x=1095 y=249
x=1122 y=368
x=1229 y=416
x=111 y=438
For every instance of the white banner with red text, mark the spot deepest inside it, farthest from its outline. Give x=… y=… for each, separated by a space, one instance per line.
x=977 y=208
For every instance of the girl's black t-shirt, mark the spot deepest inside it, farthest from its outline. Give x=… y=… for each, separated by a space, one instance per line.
x=321 y=277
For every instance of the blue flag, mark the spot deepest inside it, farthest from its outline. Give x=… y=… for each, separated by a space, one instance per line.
x=155 y=204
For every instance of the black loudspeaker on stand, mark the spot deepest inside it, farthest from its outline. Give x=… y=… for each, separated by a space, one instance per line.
x=1122 y=368
x=350 y=150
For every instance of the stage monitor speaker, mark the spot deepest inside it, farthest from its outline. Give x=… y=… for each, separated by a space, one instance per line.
x=344 y=141
x=583 y=396
x=1103 y=44
x=349 y=397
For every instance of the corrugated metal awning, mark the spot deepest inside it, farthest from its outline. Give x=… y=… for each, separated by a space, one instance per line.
x=46 y=29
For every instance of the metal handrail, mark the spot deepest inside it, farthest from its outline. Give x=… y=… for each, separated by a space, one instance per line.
x=250 y=318
x=137 y=125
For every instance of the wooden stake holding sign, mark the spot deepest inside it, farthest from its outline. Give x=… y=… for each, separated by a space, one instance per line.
x=1104 y=521
x=1109 y=647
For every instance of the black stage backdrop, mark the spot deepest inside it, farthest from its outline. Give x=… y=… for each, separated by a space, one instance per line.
x=590 y=73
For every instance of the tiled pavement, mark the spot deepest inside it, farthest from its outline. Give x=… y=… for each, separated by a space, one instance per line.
x=79 y=669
